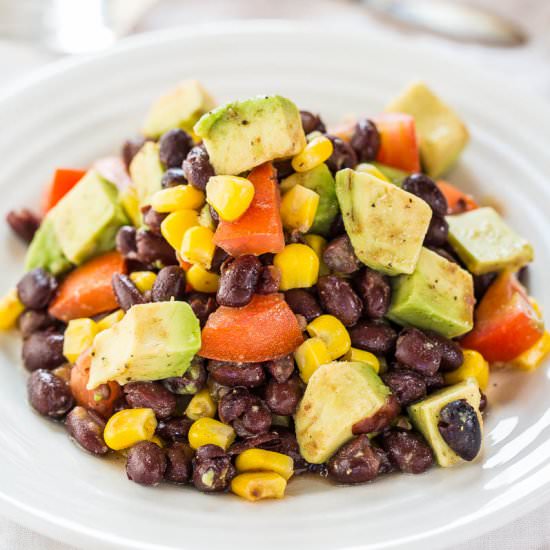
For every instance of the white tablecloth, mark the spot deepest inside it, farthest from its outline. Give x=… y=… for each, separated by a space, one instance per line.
x=528 y=66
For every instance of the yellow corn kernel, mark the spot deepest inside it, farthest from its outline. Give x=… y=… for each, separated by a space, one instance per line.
x=157 y=440
x=206 y=431
x=197 y=246
x=10 y=309
x=255 y=486
x=367 y=357
x=129 y=426
x=298 y=208
x=299 y=266
x=318 y=244
x=144 y=280
x=174 y=226
x=205 y=218
x=473 y=366
x=259 y=460
x=79 y=336
x=315 y=152
x=372 y=170
x=130 y=203
x=532 y=358
x=201 y=406
x=536 y=307
x=63 y=372
x=176 y=198
x=309 y=356
x=202 y=280
x=230 y=196
x=333 y=333
x=110 y=320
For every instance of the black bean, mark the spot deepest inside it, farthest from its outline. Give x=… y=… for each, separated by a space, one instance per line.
x=173 y=177
x=343 y=155
x=365 y=140
x=197 y=167
x=407 y=386
x=131 y=148
x=48 y=394
x=337 y=227
x=444 y=253
x=169 y=284
x=303 y=303
x=255 y=420
x=238 y=281
x=286 y=443
x=86 y=427
x=281 y=369
x=31 y=321
x=269 y=280
x=174 y=429
x=191 y=382
x=283 y=397
x=482 y=284
x=284 y=169
x=434 y=382
x=340 y=256
x=295 y=237
x=252 y=442
x=212 y=469
x=248 y=375
x=146 y=463
x=379 y=421
x=219 y=257
x=202 y=305
x=339 y=299
x=523 y=276
x=459 y=426
x=233 y=404
x=126 y=242
x=23 y=223
x=216 y=390
x=43 y=350
x=375 y=291
x=179 y=465
x=174 y=147
x=150 y=395
x=438 y=231
x=214 y=215
x=375 y=336
x=417 y=351
x=424 y=187
x=452 y=356
x=37 y=288
x=408 y=451
x=483 y=402
x=153 y=248
x=126 y=292
x=312 y=122
x=152 y=219
x=355 y=462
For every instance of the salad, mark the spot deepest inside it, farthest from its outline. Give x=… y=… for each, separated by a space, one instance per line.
x=243 y=296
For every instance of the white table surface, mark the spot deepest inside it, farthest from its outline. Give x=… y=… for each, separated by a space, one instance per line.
x=528 y=67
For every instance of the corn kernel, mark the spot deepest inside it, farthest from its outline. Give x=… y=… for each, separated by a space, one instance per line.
x=473 y=366
x=299 y=266
x=201 y=406
x=309 y=356
x=130 y=203
x=205 y=218
x=259 y=460
x=363 y=356
x=318 y=244
x=315 y=152
x=10 y=309
x=157 y=440
x=110 y=320
x=230 y=196
x=79 y=336
x=372 y=170
x=536 y=307
x=532 y=358
x=202 y=280
x=207 y=431
x=255 y=486
x=63 y=372
x=174 y=226
x=176 y=198
x=298 y=208
x=129 y=426
x=333 y=333
x=144 y=280
x=197 y=246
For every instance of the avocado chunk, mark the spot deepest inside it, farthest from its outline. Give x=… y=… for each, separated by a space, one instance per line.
x=485 y=243
x=320 y=180
x=179 y=108
x=153 y=341
x=45 y=251
x=438 y=296
x=243 y=134
x=395 y=175
x=443 y=136
x=425 y=416
x=146 y=172
x=338 y=395
x=385 y=224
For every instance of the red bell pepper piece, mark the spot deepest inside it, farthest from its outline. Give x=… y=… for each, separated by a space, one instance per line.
x=457 y=201
x=64 y=180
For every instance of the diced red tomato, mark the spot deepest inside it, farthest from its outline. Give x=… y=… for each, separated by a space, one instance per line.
x=263 y=330
x=64 y=180
x=457 y=201
x=259 y=229
x=398 y=141
x=506 y=324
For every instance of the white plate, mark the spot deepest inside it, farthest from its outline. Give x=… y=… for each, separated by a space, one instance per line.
x=73 y=113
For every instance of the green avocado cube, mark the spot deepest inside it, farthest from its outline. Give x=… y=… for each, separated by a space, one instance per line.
x=385 y=224
x=337 y=396
x=152 y=342
x=45 y=251
x=425 y=416
x=146 y=172
x=241 y=135
x=320 y=180
x=395 y=175
x=438 y=296
x=179 y=108
x=485 y=243
x=442 y=134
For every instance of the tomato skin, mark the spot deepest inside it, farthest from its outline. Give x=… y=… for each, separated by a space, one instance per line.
x=264 y=329
x=399 y=146
x=506 y=323
x=64 y=179
x=457 y=201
